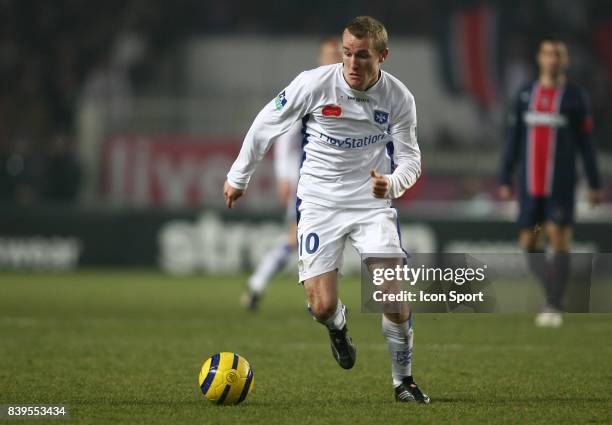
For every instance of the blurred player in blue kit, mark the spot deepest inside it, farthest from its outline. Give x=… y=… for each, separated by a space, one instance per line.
x=359 y=153
x=551 y=122
x=287 y=160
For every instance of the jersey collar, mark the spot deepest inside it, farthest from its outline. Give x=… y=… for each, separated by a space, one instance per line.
x=370 y=89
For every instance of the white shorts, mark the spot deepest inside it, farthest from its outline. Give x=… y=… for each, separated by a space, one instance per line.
x=322 y=232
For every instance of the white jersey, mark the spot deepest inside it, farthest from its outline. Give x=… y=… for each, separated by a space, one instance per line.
x=288 y=155
x=346 y=134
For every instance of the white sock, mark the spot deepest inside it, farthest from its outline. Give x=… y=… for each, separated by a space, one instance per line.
x=337 y=320
x=269 y=265
x=399 y=337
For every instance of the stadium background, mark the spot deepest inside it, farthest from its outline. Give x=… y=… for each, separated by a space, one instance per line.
x=118 y=123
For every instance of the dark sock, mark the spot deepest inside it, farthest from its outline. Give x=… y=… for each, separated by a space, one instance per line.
x=559 y=276
x=538 y=265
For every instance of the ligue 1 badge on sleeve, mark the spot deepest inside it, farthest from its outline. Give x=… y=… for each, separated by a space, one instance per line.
x=381 y=117
x=280 y=101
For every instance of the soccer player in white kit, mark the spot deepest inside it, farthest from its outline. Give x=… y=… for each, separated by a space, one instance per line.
x=359 y=152
x=287 y=161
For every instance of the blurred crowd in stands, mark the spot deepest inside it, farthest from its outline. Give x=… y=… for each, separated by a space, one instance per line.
x=55 y=54
x=52 y=56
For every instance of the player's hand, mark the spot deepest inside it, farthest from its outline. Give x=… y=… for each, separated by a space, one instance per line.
x=380 y=184
x=595 y=197
x=284 y=191
x=505 y=193
x=231 y=194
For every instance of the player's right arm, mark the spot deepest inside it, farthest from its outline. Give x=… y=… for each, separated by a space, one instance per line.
x=275 y=119
x=511 y=154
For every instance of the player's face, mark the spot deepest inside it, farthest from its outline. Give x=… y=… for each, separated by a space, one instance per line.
x=361 y=62
x=552 y=58
x=330 y=53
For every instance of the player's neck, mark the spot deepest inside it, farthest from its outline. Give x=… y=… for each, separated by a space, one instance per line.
x=547 y=80
x=372 y=83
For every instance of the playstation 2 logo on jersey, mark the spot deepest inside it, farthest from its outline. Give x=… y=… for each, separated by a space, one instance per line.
x=381 y=117
x=280 y=101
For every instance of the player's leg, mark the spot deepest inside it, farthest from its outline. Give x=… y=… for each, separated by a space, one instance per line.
x=322 y=295
x=398 y=332
x=532 y=213
x=321 y=237
x=291 y=216
x=272 y=263
x=559 y=220
x=327 y=309
x=377 y=232
x=532 y=242
x=532 y=236
x=532 y=239
x=560 y=238
x=292 y=235
x=399 y=336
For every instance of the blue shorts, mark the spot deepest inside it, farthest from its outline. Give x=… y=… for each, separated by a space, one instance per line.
x=538 y=210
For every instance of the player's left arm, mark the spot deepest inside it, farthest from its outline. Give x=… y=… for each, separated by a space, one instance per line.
x=406 y=152
x=584 y=136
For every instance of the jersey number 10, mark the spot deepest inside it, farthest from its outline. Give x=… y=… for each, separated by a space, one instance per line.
x=312 y=243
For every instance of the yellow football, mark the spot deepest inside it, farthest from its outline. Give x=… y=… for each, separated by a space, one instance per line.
x=226 y=378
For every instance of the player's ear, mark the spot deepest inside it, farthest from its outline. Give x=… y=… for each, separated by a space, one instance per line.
x=382 y=55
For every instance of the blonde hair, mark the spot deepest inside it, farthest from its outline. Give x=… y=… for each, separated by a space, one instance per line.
x=366 y=26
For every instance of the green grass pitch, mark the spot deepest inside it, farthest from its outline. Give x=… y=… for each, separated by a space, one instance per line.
x=126 y=347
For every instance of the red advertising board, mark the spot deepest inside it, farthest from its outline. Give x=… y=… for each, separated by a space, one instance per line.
x=177 y=172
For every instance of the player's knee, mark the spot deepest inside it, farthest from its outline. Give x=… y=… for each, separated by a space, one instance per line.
x=529 y=240
x=322 y=295
x=561 y=248
x=559 y=244
x=323 y=308
x=399 y=317
x=560 y=238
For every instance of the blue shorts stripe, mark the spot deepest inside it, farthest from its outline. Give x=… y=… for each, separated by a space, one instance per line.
x=211 y=373
x=390 y=150
x=298 y=202
x=247 y=385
